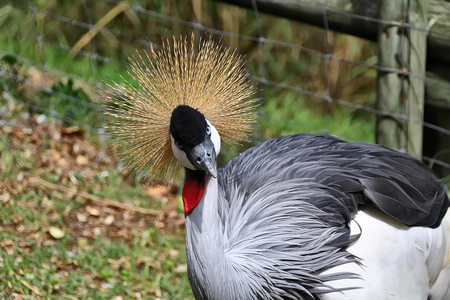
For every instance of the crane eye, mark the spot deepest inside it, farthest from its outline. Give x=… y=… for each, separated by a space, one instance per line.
x=179 y=145
x=208 y=130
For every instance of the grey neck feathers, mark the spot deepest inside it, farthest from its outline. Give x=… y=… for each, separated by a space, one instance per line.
x=204 y=244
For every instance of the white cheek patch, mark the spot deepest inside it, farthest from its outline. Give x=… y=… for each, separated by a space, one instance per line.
x=181 y=155
x=215 y=137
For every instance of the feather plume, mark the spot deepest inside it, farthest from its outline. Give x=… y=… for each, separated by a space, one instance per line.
x=204 y=75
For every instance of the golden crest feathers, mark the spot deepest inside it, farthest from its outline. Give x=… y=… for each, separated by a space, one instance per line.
x=204 y=75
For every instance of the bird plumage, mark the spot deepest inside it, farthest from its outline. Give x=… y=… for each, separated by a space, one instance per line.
x=282 y=215
x=298 y=217
x=399 y=185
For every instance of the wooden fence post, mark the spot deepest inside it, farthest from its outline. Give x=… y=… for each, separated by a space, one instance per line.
x=417 y=62
x=389 y=131
x=436 y=14
x=402 y=48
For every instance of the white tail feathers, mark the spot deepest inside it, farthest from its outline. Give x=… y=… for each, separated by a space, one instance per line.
x=440 y=289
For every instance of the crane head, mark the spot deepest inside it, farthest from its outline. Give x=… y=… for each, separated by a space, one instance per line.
x=147 y=116
x=195 y=141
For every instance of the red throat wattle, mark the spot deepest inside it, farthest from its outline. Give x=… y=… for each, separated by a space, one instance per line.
x=193 y=191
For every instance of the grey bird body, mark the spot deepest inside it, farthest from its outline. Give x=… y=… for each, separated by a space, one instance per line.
x=277 y=218
x=298 y=217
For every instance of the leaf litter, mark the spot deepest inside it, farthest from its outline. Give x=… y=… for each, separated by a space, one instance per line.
x=55 y=162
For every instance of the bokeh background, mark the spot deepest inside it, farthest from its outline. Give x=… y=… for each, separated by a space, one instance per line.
x=73 y=224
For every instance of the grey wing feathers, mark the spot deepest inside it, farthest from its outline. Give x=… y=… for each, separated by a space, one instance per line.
x=286 y=205
x=354 y=173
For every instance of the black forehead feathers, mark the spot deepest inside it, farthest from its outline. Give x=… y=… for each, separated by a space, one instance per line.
x=188 y=125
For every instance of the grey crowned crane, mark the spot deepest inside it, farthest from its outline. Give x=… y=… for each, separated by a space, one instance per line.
x=303 y=216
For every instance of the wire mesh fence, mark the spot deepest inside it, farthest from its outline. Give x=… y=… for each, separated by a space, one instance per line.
x=55 y=55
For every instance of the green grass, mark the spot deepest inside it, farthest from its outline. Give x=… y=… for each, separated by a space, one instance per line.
x=102 y=270
x=146 y=262
x=305 y=116
x=148 y=259
x=282 y=64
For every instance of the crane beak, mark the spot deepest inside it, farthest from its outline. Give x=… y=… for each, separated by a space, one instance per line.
x=203 y=157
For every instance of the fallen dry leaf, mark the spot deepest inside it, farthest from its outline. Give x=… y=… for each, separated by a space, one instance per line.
x=93 y=211
x=109 y=219
x=160 y=192
x=5 y=197
x=83 y=243
x=56 y=232
x=7 y=242
x=174 y=252
x=82 y=217
x=81 y=160
x=181 y=268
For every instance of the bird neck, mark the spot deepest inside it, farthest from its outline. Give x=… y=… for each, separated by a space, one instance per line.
x=204 y=241
x=200 y=198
